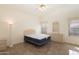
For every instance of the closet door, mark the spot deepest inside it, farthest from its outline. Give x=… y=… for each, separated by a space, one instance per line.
x=57 y=36
x=56 y=27
x=44 y=27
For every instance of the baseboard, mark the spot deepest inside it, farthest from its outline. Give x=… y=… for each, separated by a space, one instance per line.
x=56 y=42
x=67 y=43
x=71 y=44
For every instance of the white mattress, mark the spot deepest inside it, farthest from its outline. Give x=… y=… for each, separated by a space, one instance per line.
x=38 y=36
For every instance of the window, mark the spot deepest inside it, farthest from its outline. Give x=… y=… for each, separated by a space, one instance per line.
x=74 y=27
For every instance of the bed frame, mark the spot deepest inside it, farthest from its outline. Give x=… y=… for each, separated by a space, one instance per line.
x=35 y=41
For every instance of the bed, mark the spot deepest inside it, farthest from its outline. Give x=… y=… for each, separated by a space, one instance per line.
x=37 y=39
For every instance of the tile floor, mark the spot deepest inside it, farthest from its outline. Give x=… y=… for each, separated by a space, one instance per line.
x=52 y=48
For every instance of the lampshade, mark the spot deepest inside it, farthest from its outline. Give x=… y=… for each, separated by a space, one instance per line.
x=10 y=22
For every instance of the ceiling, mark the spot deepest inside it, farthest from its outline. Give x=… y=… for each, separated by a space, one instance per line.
x=33 y=9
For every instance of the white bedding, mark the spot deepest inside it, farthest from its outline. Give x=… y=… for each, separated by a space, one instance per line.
x=38 y=36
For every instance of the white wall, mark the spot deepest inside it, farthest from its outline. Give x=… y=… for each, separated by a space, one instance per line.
x=28 y=16
x=22 y=21
x=3 y=31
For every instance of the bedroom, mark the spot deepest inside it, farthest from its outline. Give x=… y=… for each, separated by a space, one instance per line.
x=15 y=19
